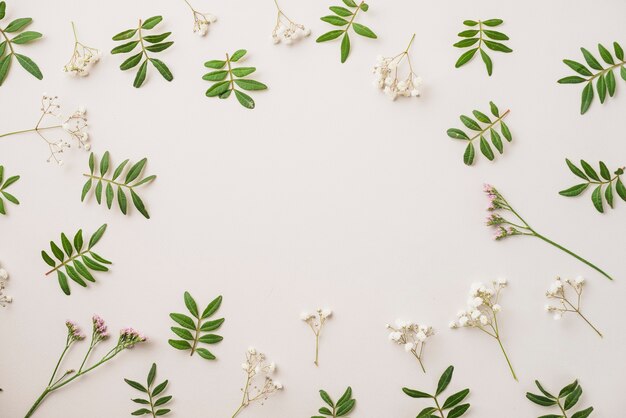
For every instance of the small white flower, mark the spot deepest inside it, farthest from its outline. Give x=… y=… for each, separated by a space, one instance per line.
x=477 y=302
x=452 y=325
x=278 y=385
x=421 y=336
x=496 y=308
x=327 y=313
x=252 y=350
x=579 y=280
x=245 y=366
x=484 y=320
x=395 y=336
x=4 y=275
x=408 y=347
x=463 y=321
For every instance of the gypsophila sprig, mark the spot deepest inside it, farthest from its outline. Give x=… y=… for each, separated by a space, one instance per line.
x=604 y=77
x=3 y=190
x=286 y=30
x=8 y=45
x=201 y=21
x=558 y=291
x=412 y=337
x=567 y=398
x=4 y=299
x=226 y=80
x=147 y=43
x=482 y=313
x=83 y=58
x=346 y=18
x=316 y=322
x=259 y=384
x=390 y=81
x=80 y=261
x=504 y=228
x=75 y=125
x=154 y=402
x=112 y=187
x=342 y=408
x=451 y=404
x=478 y=34
x=197 y=330
x=605 y=179
x=127 y=339
x=489 y=128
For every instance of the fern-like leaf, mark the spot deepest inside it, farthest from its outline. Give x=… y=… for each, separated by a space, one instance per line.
x=126 y=178
x=3 y=192
x=154 y=393
x=603 y=182
x=75 y=260
x=452 y=403
x=480 y=38
x=196 y=329
x=602 y=75
x=567 y=398
x=342 y=408
x=483 y=127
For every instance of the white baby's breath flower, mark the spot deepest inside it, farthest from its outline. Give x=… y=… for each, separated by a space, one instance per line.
x=561 y=293
x=411 y=335
x=316 y=322
x=259 y=385
x=386 y=76
x=4 y=299
x=286 y=30
x=83 y=58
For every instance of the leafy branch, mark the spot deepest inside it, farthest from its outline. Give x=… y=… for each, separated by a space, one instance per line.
x=343 y=407
x=592 y=179
x=132 y=181
x=201 y=328
x=79 y=262
x=7 y=46
x=482 y=131
x=3 y=186
x=153 y=402
x=157 y=45
x=565 y=400
x=451 y=403
x=483 y=37
x=604 y=77
x=345 y=17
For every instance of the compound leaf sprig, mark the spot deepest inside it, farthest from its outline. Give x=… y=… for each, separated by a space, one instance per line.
x=153 y=402
x=604 y=77
x=451 y=404
x=592 y=179
x=3 y=193
x=7 y=45
x=342 y=408
x=567 y=398
x=227 y=78
x=112 y=187
x=489 y=38
x=196 y=329
x=346 y=18
x=489 y=128
x=75 y=260
x=147 y=43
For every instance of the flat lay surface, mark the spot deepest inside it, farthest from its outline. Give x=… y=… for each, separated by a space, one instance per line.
x=327 y=194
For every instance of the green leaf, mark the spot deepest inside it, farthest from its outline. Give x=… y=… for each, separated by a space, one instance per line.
x=141 y=75
x=468 y=33
x=589 y=170
x=104 y=163
x=596 y=198
x=243 y=71
x=364 y=6
x=142 y=411
x=364 y=30
x=619 y=51
x=464 y=43
x=573 y=398
x=468 y=156
x=216 y=64
x=182 y=333
x=605 y=54
x=96 y=236
x=496 y=140
x=122 y=200
x=152 y=374
x=576 y=170
x=154 y=39
x=127 y=34
x=591 y=61
x=139 y=204
x=470 y=23
x=470 y=123
x=5 y=64
x=205 y=354
x=466 y=57
x=427 y=413
x=481 y=116
x=67 y=245
x=604 y=171
x=340 y=11
x=608 y=194
x=415 y=393
x=497 y=46
x=498 y=36
x=136 y=385
x=578 y=67
x=162 y=412
x=326 y=398
x=141 y=401
x=573 y=79
x=444 y=380
x=82 y=270
x=159 y=388
x=487 y=60
x=250 y=84
x=92 y=264
x=179 y=344
x=183 y=320
x=3 y=9
x=124 y=48
x=333 y=34
x=346 y=408
x=458 y=411
x=18 y=24
x=210 y=339
x=455 y=399
x=494 y=109
x=601 y=87
x=334 y=20
x=29 y=65
x=584 y=413
x=212 y=307
x=49 y=261
x=215 y=75
x=540 y=400
x=457 y=134
x=218 y=88
x=493 y=22
x=191 y=305
x=347 y=395
x=574 y=190
x=212 y=325
x=131 y=62
x=26 y=37
x=63 y=282
x=610 y=82
x=349 y=3
x=58 y=253
x=245 y=100
x=587 y=98
x=345 y=47
x=159 y=47
x=485 y=148
x=163 y=401
x=135 y=170
x=621 y=189
x=151 y=22
x=238 y=54
x=10 y=198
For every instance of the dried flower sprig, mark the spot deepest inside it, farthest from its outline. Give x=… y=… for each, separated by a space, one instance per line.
x=341 y=19
x=558 y=291
x=157 y=45
x=482 y=313
x=451 y=403
x=256 y=368
x=412 y=337
x=591 y=178
x=83 y=58
x=387 y=79
x=127 y=339
x=152 y=402
x=79 y=262
x=316 y=321
x=496 y=139
x=342 y=408
x=4 y=299
x=3 y=192
x=7 y=46
x=482 y=37
x=201 y=21
x=198 y=326
x=604 y=77
x=505 y=228
x=133 y=180
x=286 y=30
x=566 y=399
x=75 y=125
x=223 y=87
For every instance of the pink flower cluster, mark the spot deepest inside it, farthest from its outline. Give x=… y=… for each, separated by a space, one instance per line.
x=99 y=328
x=73 y=332
x=129 y=337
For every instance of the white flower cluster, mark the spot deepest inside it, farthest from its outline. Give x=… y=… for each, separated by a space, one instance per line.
x=201 y=22
x=482 y=306
x=256 y=366
x=4 y=299
x=411 y=336
x=75 y=125
x=288 y=32
x=83 y=58
x=316 y=322
x=558 y=291
x=386 y=72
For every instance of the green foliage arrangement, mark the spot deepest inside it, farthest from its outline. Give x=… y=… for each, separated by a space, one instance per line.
x=477 y=37
x=566 y=399
x=451 y=404
x=342 y=408
x=3 y=192
x=592 y=179
x=153 y=403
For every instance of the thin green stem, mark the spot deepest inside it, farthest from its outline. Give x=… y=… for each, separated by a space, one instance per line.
x=507 y=359
x=195 y=339
x=91 y=176
x=606 y=70
x=490 y=125
x=558 y=402
x=151 y=403
x=56 y=368
x=230 y=73
x=74 y=30
x=410 y=43
x=317 y=349
x=66 y=262
x=353 y=16
x=30 y=130
x=577 y=310
x=33 y=408
x=8 y=41
x=439 y=407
